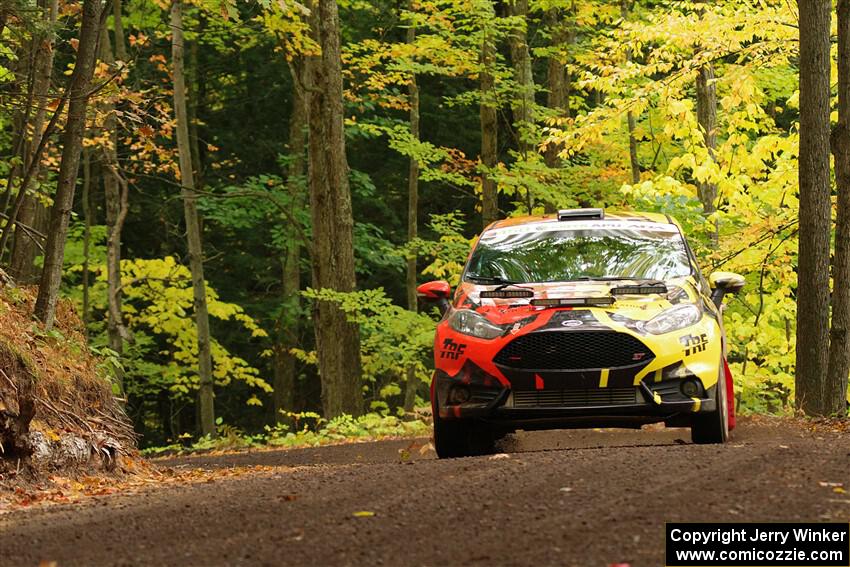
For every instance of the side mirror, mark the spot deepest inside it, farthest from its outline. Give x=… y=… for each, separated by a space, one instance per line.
x=724 y=282
x=436 y=293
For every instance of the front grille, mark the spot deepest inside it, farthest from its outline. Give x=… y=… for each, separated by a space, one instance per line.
x=577 y=398
x=573 y=350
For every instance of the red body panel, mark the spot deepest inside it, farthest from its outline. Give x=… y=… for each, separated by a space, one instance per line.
x=730 y=394
x=434 y=290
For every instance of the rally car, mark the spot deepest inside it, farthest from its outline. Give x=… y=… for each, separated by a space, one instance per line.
x=575 y=320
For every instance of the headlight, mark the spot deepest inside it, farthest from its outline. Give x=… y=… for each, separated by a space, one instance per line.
x=469 y=322
x=673 y=319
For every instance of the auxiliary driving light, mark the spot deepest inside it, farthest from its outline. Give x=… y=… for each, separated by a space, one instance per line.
x=458 y=395
x=691 y=388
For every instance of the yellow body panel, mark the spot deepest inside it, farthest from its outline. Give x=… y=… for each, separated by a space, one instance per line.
x=702 y=360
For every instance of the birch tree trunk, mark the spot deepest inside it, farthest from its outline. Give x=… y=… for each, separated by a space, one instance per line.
x=337 y=339
x=206 y=410
x=72 y=139
x=815 y=208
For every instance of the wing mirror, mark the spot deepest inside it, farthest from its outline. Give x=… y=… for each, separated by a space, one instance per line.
x=435 y=293
x=725 y=282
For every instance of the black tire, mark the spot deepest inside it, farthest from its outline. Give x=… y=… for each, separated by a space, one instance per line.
x=455 y=438
x=713 y=427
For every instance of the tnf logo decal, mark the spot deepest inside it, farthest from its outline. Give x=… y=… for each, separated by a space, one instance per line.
x=452 y=349
x=694 y=343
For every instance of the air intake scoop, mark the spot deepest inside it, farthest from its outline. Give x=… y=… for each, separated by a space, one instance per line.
x=581 y=214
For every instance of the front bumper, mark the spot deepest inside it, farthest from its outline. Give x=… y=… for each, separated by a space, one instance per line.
x=473 y=394
x=605 y=370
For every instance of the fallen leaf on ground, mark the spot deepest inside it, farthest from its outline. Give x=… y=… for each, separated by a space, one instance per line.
x=142 y=478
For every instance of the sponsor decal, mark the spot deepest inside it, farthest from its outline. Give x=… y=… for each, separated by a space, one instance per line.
x=694 y=343
x=452 y=350
x=572 y=323
x=549 y=226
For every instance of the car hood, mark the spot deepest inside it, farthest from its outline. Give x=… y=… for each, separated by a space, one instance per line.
x=640 y=307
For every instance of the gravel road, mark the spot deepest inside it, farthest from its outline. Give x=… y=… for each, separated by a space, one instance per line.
x=564 y=498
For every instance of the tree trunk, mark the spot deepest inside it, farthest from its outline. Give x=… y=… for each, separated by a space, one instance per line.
x=286 y=365
x=558 y=82
x=116 y=199
x=197 y=92
x=120 y=48
x=22 y=66
x=557 y=73
x=835 y=390
x=87 y=215
x=523 y=106
x=72 y=138
x=625 y=8
x=813 y=260
x=412 y=380
x=206 y=411
x=32 y=220
x=707 y=118
x=337 y=339
x=633 y=148
x=25 y=249
x=489 y=130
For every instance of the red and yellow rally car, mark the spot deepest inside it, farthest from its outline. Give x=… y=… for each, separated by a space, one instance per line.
x=580 y=319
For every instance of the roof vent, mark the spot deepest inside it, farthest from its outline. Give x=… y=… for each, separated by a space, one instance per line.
x=581 y=214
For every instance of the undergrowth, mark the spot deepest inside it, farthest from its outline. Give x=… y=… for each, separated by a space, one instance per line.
x=306 y=429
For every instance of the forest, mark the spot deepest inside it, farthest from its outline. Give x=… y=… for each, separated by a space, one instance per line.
x=234 y=194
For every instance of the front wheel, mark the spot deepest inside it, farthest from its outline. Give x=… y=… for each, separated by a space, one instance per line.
x=461 y=438
x=713 y=427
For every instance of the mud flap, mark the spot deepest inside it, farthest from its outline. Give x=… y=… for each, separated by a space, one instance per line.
x=730 y=394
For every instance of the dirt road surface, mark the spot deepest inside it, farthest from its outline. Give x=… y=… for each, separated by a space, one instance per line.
x=565 y=498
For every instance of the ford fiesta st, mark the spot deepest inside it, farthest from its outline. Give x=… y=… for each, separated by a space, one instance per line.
x=580 y=319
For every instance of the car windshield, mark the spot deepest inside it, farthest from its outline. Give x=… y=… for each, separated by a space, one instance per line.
x=519 y=256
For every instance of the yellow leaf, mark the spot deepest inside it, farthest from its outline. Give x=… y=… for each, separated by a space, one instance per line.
x=363 y=514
